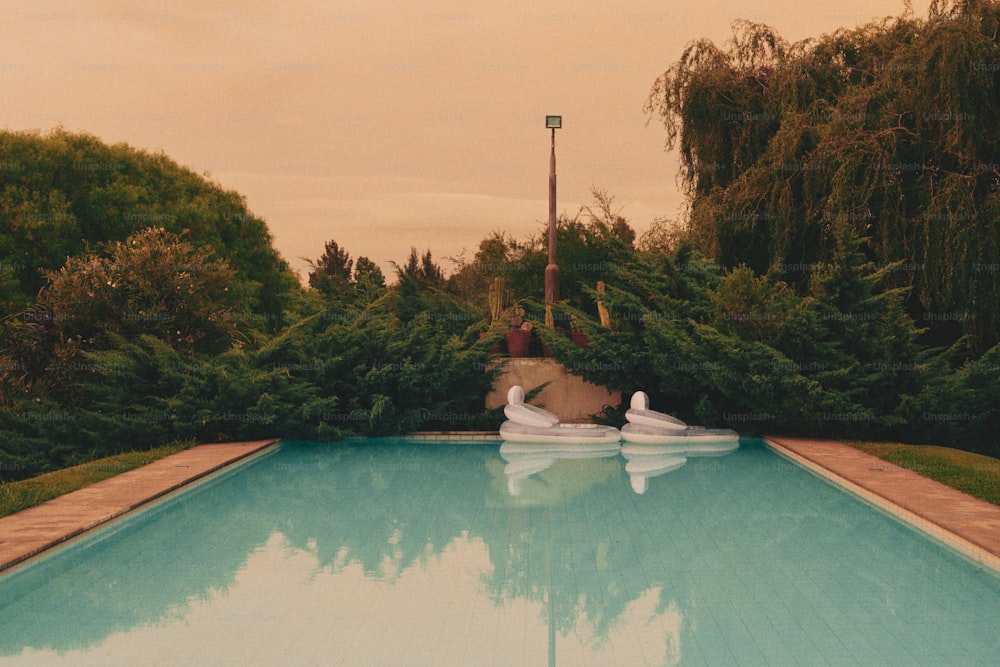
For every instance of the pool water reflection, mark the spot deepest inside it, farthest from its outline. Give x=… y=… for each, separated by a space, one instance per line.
x=390 y=552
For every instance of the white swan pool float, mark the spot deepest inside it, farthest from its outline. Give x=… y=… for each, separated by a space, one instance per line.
x=661 y=433
x=531 y=424
x=656 y=443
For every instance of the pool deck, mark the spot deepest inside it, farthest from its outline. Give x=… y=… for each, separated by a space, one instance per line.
x=30 y=532
x=967 y=524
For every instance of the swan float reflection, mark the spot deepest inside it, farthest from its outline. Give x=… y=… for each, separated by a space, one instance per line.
x=525 y=460
x=656 y=443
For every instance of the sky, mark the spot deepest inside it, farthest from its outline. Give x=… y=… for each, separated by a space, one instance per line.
x=384 y=124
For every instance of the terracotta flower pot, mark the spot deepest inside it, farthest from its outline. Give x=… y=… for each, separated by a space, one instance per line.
x=517 y=342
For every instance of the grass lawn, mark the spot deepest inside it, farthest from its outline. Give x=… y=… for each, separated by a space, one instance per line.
x=974 y=474
x=16 y=496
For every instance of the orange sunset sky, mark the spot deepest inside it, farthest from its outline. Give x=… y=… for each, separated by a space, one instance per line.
x=384 y=124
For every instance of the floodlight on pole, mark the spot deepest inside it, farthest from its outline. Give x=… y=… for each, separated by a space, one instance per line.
x=552 y=270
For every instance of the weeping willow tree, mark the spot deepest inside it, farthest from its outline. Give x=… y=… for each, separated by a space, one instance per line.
x=890 y=128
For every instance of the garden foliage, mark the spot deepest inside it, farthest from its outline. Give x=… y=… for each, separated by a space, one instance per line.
x=161 y=335
x=840 y=195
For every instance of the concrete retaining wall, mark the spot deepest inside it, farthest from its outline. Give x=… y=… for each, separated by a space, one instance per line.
x=567 y=395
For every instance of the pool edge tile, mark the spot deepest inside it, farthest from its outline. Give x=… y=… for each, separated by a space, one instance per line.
x=873 y=490
x=36 y=530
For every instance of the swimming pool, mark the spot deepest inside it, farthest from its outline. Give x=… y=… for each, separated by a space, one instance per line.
x=389 y=552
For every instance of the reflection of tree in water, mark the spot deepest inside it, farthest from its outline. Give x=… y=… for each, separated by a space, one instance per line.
x=556 y=553
x=146 y=568
x=382 y=506
x=557 y=550
x=553 y=545
x=569 y=545
x=574 y=542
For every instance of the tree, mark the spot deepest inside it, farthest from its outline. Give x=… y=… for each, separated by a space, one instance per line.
x=423 y=270
x=154 y=283
x=591 y=246
x=891 y=129
x=332 y=277
x=60 y=191
x=369 y=281
x=606 y=219
x=331 y=273
x=498 y=256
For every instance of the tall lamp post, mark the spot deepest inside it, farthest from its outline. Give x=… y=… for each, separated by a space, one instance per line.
x=552 y=270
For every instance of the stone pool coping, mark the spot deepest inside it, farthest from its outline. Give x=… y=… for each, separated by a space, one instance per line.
x=471 y=436
x=31 y=531
x=966 y=524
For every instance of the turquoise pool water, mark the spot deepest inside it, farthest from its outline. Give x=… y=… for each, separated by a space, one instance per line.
x=390 y=552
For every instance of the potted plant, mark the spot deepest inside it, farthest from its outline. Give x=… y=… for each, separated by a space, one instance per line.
x=576 y=334
x=519 y=334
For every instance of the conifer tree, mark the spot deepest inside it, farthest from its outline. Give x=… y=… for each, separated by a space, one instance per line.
x=331 y=273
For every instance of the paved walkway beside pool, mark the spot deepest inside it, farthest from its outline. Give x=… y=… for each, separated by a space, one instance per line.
x=32 y=531
x=967 y=524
